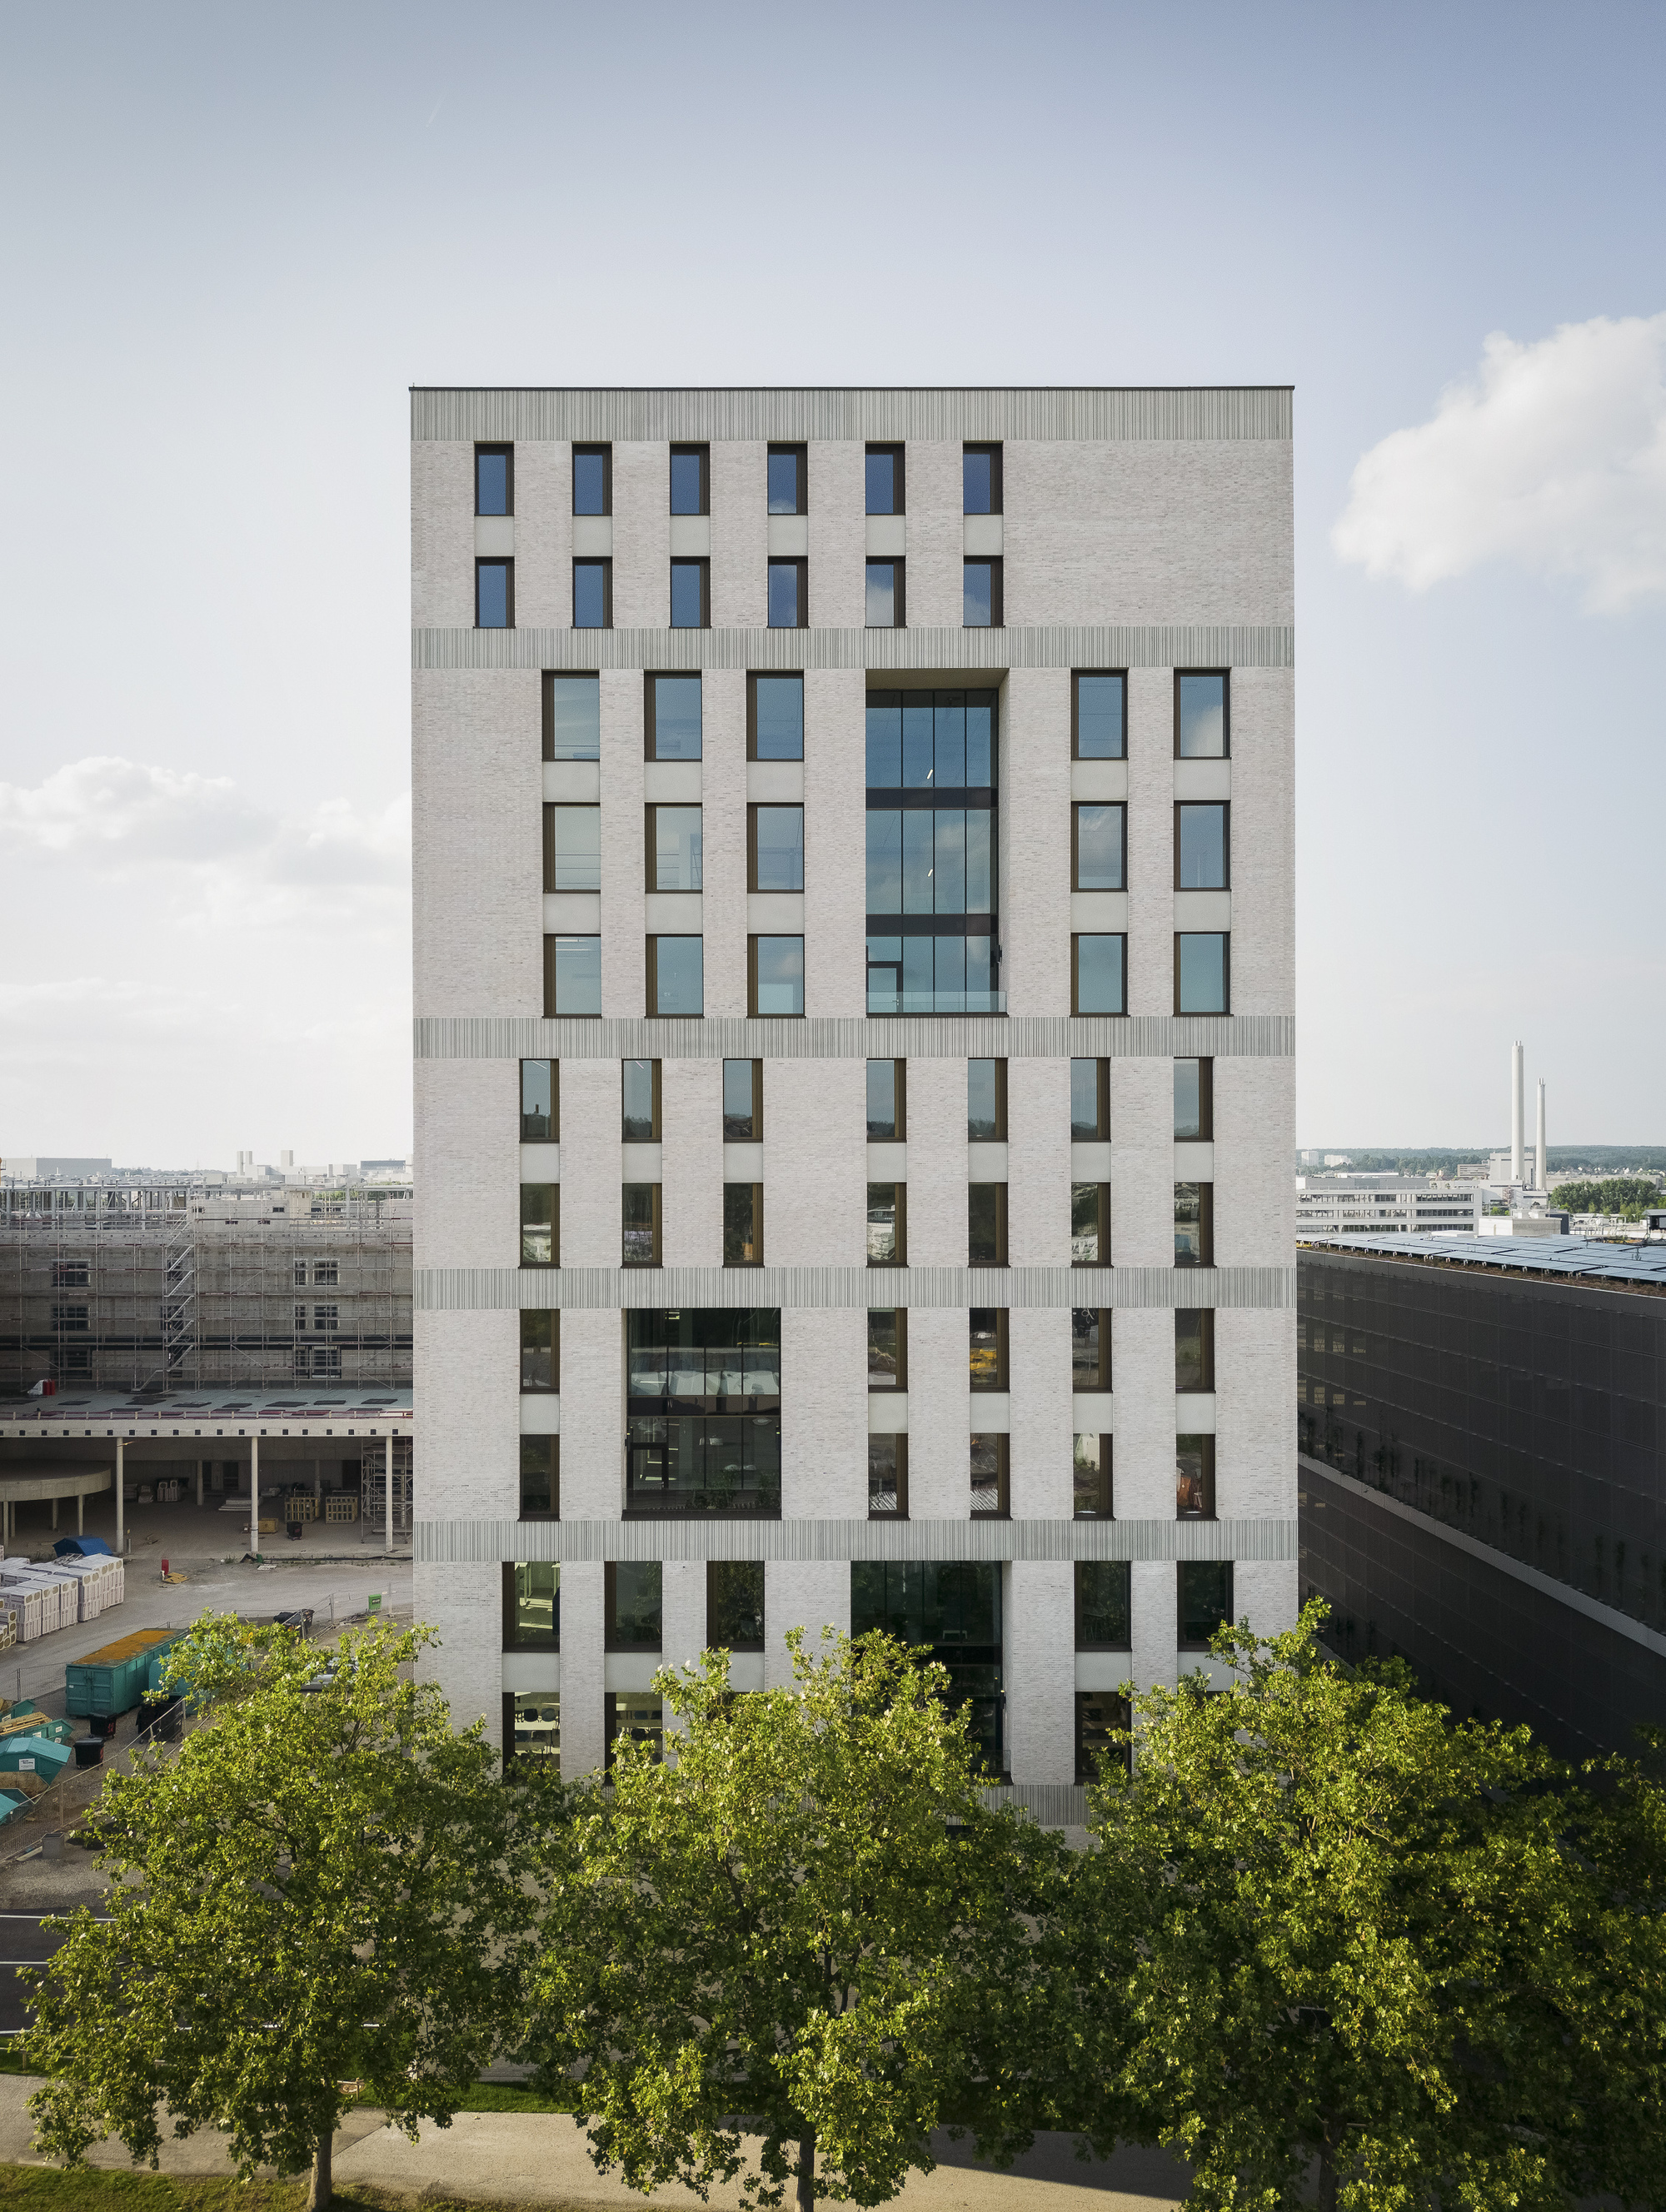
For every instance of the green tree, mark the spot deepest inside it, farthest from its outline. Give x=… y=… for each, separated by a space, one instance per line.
x=1329 y=1926
x=1629 y=1195
x=809 y=1919
x=316 y=1889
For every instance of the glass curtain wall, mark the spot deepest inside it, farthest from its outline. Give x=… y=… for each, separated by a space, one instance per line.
x=702 y=1415
x=933 y=936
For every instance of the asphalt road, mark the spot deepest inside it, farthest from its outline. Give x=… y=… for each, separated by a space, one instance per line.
x=23 y=1942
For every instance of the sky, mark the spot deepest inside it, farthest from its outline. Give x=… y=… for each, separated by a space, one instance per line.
x=230 y=240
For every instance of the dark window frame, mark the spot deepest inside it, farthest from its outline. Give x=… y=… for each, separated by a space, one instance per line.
x=713 y=1643
x=1076 y=1013
x=1226 y=676
x=551 y=1012
x=899 y=1220
x=773 y=674
x=1076 y=1580
x=570 y=806
x=1076 y=676
x=1206 y=1477
x=756 y=1137
x=606 y=453
x=703 y=562
x=1120 y=807
x=658 y=1224
x=510 y=1753
x=1225 y=806
x=651 y=976
x=1102 y=1224
x=651 y=710
x=611 y=1729
x=992 y=447
x=1105 y=1508
x=999 y=1137
x=554 y=1260
x=752 y=884
x=505 y=562
x=605 y=562
x=1204 y=1387
x=1000 y=1190
x=1102 y=1101
x=898 y=563
x=1212 y=1014
x=554 y=1512
x=531 y=1317
x=1206 y=1224
x=513 y=1639
x=752 y=938
x=1087 y=1772
x=1002 y=1374
x=655 y=1109
x=900 y=1093
x=899 y=1441
x=898 y=453
x=702 y=453
x=547 y=686
x=1003 y=1510
x=554 y=1116
x=611 y=1640
x=756 y=1207
x=1182 y=1642
x=995 y=564
x=651 y=846
x=496 y=445
x=801 y=453
x=1104 y=1383
x=799 y=563
x=899 y=1388
x=1205 y=1098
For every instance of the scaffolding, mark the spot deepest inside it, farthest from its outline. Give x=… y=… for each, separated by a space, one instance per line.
x=157 y=1287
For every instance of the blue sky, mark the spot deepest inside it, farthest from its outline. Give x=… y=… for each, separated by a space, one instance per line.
x=233 y=239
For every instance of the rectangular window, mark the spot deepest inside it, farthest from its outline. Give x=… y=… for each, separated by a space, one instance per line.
x=532 y=1604
x=734 y=1605
x=743 y=1225
x=593 y=595
x=775 y=844
x=788 y=601
x=690 y=480
x=540 y=1224
x=788 y=480
x=540 y=1122
x=885 y=480
x=702 y=1426
x=540 y=1350
x=887 y=1101
x=987 y=1333
x=888 y=1478
x=1194 y=1100
x=1098 y=844
x=986 y=1224
x=979 y=480
x=572 y=976
x=592 y=480
x=540 y=1478
x=1089 y=1224
x=640 y=1214
x=532 y=1726
x=887 y=1224
x=1194 y=1224
x=1101 y=1718
x=990 y=1497
x=1097 y=964
x=932 y=869
x=887 y=1348
x=1098 y=715
x=775 y=718
x=1200 y=848
x=884 y=608
x=979 y=595
x=673 y=720
x=494 y=594
x=73 y=1274
x=1104 y=1606
x=1202 y=976
x=61 y=1277
x=633 y=1608
x=327 y=1273
x=953 y=1608
x=639 y=1102
x=675 y=850
x=572 y=848
x=1090 y=1348
x=74 y=1317
x=1205 y=1602
x=572 y=718
x=1200 y=716
x=1090 y=1102
x=494 y=479
x=985 y=1102
x=743 y=1101
x=300 y=1311
x=675 y=975
x=691 y=594
x=1090 y=1477
x=775 y=976
x=1194 y=1478
x=1193 y=1349
x=635 y=1716
x=327 y=1318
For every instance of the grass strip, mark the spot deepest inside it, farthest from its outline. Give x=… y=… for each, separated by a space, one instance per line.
x=92 y=2189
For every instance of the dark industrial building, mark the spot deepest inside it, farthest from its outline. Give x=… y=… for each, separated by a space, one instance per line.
x=1483 y=1472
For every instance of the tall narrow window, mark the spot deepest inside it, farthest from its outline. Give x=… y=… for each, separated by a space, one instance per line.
x=593 y=594
x=494 y=480
x=540 y=1346
x=637 y=1717
x=981 y=595
x=641 y=1214
x=1194 y=1224
x=1099 y=966
x=1194 y=1478
x=1200 y=972
x=675 y=849
x=986 y=1331
x=1090 y=1348
x=672 y=728
x=1205 y=1594
x=888 y=1478
x=690 y=480
x=1104 y=1609
x=1097 y=848
x=540 y=1224
x=990 y=1478
x=1098 y=715
x=540 y=1478
x=743 y=1225
x=1101 y=1720
x=572 y=848
x=884 y=605
x=639 y=1102
x=887 y=1224
x=572 y=718
x=1199 y=847
x=572 y=976
x=775 y=718
x=985 y=1102
x=540 y=1122
x=734 y=1605
x=592 y=480
x=1090 y=1102
x=1089 y=1224
x=775 y=844
x=743 y=1101
x=1194 y=1100
x=786 y=480
x=494 y=594
x=531 y=1603
x=788 y=602
x=675 y=975
x=1200 y=716
x=979 y=480
x=887 y=1348
x=775 y=976
x=932 y=806
x=691 y=594
x=1090 y=1477
x=632 y=1604
x=1193 y=1349
x=886 y=1094
x=885 y=480
x=986 y=1224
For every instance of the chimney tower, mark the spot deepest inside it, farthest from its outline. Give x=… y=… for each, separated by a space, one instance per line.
x=1543 y=1156
x=1517 y=1111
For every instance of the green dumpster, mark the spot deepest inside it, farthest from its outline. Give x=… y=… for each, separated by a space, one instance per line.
x=112 y=1680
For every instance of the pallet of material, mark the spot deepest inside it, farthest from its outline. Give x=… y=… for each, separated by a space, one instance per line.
x=341 y=1508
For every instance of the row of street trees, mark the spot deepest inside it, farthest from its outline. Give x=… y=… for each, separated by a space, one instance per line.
x=1320 y=1930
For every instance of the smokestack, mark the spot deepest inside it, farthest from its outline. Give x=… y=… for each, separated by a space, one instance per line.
x=1517 y=1111
x=286 y=1159
x=1544 y=1157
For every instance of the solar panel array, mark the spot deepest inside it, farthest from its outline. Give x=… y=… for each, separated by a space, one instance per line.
x=1541 y=1256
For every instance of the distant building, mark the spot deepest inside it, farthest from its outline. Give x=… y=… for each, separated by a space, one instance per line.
x=1483 y=1471
x=41 y=1169
x=1385 y=1205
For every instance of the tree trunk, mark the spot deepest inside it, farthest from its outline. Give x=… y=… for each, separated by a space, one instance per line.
x=1326 y=2181
x=807 y=2172
x=320 y=2196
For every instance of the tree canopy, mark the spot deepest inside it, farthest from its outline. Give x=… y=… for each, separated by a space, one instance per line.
x=316 y=1890
x=1623 y=1194
x=809 y=1922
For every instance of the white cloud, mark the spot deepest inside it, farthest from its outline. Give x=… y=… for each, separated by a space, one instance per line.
x=1552 y=455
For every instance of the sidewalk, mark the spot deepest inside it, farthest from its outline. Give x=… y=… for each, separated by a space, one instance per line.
x=540 y=2158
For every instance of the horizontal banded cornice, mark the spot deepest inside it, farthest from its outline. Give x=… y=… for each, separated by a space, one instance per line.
x=926 y=1037
x=488 y=1543
x=497 y=1290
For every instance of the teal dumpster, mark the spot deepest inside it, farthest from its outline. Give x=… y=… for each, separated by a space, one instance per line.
x=112 y=1680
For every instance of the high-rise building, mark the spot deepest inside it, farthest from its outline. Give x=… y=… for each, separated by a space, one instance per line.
x=854 y=1092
